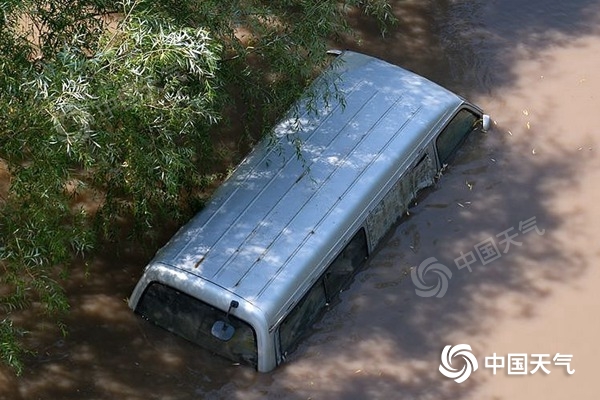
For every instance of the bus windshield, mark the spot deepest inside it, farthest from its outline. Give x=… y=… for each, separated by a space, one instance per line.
x=193 y=320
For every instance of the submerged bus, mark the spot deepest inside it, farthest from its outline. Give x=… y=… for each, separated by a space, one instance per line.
x=248 y=276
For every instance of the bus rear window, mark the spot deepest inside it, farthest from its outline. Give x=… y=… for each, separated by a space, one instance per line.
x=193 y=320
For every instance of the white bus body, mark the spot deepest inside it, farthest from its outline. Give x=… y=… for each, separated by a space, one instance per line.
x=250 y=273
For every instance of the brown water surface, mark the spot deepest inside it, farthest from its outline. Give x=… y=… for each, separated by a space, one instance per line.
x=535 y=67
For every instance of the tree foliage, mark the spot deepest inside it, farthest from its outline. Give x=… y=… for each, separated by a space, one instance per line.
x=271 y=50
x=109 y=112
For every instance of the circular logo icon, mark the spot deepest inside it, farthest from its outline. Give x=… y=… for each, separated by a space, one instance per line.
x=464 y=351
x=433 y=265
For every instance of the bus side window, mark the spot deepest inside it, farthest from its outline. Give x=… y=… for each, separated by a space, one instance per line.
x=345 y=265
x=454 y=134
x=301 y=318
x=336 y=277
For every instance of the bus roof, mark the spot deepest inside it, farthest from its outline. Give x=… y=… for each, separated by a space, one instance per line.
x=267 y=231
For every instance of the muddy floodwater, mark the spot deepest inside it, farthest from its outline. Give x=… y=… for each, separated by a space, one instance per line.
x=534 y=66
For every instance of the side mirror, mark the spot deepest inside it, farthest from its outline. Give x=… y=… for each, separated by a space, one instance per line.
x=485 y=122
x=222 y=329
